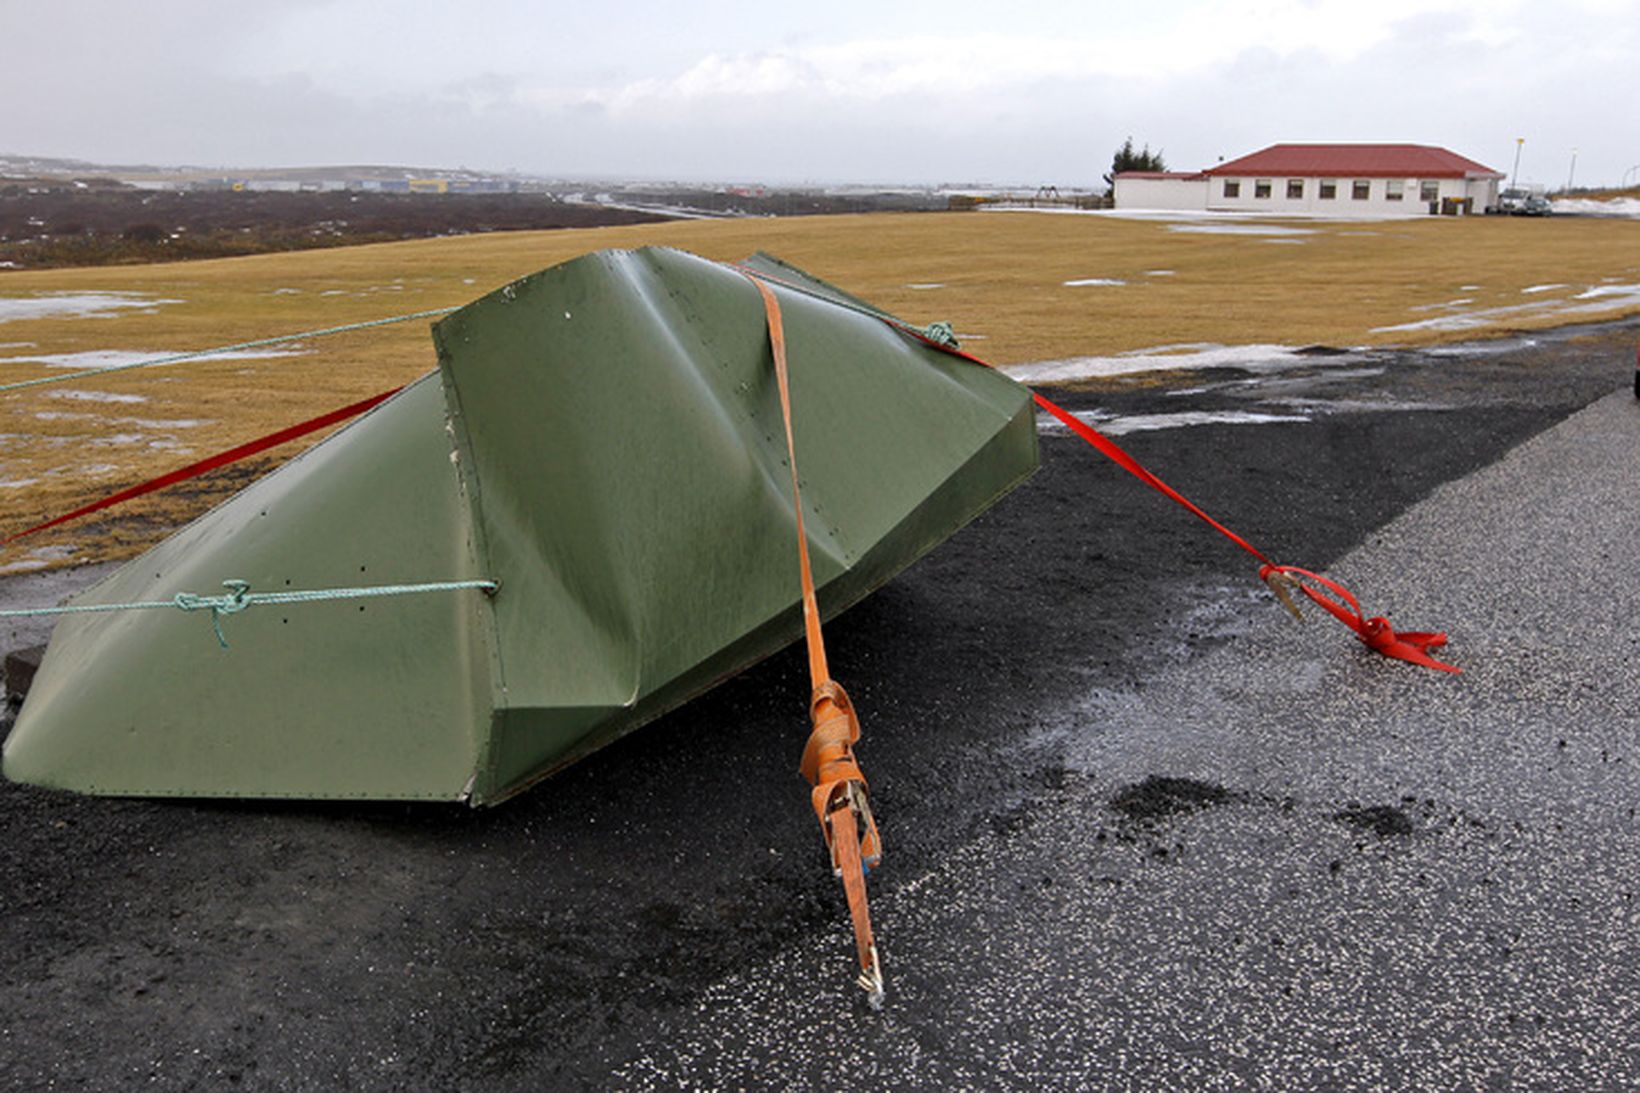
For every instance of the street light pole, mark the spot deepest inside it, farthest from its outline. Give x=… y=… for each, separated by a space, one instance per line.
x=1514 y=175
x=1571 y=171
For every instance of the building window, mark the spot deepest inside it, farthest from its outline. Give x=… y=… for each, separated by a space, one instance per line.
x=1295 y=189
x=1361 y=189
x=1429 y=191
x=1232 y=187
x=1393 y=189
x=1327 y=189
x=1261 y=187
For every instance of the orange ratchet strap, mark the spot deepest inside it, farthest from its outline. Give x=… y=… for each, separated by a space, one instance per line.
x=840 y=797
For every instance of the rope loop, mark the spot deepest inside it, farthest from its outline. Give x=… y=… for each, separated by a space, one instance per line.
x=239 y=597
x=942 y=334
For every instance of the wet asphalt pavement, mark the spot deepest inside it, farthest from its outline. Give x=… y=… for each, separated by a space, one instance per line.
x=1143 y=831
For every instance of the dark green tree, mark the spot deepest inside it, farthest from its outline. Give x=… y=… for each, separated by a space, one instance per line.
x=1126 y=159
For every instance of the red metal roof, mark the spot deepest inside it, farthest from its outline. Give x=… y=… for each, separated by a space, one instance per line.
x=1355 y=161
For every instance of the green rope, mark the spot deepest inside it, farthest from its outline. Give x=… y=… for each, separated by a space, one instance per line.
x=196 y=354
x=941 y=333
x=239 y=597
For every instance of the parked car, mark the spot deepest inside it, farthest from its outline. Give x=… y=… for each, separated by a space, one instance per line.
x=1518 y=202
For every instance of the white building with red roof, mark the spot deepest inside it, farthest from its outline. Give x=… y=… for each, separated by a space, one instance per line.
x=1322 y=180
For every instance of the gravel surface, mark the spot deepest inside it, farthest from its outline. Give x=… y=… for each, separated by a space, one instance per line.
x=1142 y=831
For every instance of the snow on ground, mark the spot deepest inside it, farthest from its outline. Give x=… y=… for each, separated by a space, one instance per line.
x=1580 y=206
x=1092 y=281
x=114 y=358
x=1114 y=425
x=39 y=558
x=163 y=423
x=924 y=286
x=1601 y=291
x=1446 y=305
x=77 y=305
x=1530 y=290
x=77 y=395
x=1239 y=229
x=1600 y=298
x=1160 y=359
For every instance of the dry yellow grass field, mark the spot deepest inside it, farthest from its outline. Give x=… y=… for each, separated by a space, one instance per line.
x=1000 y=279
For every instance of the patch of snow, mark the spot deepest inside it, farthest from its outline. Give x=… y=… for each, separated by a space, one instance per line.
x=1289 y=242
x=1448 y=304
x=1601 y=291
x=1357 y=406
x=1469 y=288
x=40 y=557
x=1599 y=299
x=77 y=305
x=925 y=286
x=92 y=359
x=1112 y=425
x=95 y=396
x=1092 y=281
x=1239 y=229
x=61 y=415
x=1158 y=273
x=337 y=292
x=16 y=483
x=1160 y=359
x=162 y=423
x=1583 y=206
x=1532 y=289
x=1469 y=320
x=286 y=292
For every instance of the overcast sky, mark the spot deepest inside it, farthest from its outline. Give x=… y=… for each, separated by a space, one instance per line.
x=1007 y=92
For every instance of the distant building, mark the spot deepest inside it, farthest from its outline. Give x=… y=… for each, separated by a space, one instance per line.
x=1160 y=190
x=1323 y=180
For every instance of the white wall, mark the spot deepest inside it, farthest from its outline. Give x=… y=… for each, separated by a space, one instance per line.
x=1160 y=193
x=1344 y=203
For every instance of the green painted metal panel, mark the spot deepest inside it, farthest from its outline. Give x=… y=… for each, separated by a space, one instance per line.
x=385 y=698
x=603 y=438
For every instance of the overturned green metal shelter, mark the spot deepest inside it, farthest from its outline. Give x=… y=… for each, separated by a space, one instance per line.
x=602 y=439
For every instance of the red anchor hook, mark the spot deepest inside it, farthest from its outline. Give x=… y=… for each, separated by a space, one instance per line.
x=1375 y=633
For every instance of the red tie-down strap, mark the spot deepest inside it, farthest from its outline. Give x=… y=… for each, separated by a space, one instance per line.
x=211 y=463
x=1375 y=633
